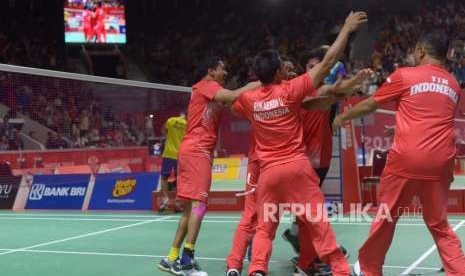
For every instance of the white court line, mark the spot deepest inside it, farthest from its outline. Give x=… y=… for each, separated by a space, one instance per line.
x=104 y=216
x=284 y=221
x=288 y=222
x=105 y=254
x=427 y=253
x=74 y=219
x=406 y=219
x=32 y=214
x=84 y=235
x=62 y=252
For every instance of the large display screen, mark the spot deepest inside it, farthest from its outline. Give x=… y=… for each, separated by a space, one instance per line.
x=95 y=21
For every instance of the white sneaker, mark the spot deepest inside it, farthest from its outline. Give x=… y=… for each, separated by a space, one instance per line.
x=357 y=269
x=233 y=272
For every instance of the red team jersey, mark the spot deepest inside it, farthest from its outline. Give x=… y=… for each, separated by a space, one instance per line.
x=87 y=19
x=318 y=137
x=100 y=18
x=204 y=117
x=424 y=142
x=252 y=155
x=274 y=112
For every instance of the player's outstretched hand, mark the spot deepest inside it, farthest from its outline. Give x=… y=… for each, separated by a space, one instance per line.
x=354 y=20
x=364 y=75
x=345 y=88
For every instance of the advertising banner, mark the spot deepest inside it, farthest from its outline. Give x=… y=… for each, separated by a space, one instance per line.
x=58 y=191
x=226 y=168
x=9 y=186
x=124 y=191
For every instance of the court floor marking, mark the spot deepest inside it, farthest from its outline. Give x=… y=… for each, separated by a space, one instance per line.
x=65 y=252
x=73 y=219
x=84 y=235
x=32 y=214
x=289 y=222
x=284 y=221
x=427 y=253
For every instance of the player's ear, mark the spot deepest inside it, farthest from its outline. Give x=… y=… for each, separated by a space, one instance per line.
x=211 y=72
x=421 y=50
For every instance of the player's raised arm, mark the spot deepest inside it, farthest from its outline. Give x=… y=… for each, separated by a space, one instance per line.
x=228 y=97
x=346 y=88
x=319 y=102
x=328 y=95
x=321 y=70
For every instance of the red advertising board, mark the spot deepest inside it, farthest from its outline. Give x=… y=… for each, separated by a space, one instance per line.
x=137 y=158
x=220 y=201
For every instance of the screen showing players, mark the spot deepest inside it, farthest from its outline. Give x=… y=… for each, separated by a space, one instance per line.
x=95 y=21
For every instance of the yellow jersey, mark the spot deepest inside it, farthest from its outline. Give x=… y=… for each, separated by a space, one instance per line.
x=175 y=128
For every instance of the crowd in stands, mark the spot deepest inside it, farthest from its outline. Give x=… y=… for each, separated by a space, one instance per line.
x=234 y=32
x=400 y=32
x=171 y=48
x=9 y=135
x=75 y=117
x=27 y=36
x=239 y=35
x=91 y=126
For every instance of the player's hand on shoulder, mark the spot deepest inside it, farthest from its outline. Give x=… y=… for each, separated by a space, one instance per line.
x=253 y=85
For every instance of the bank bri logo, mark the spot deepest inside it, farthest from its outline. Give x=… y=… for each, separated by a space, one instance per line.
x=37 y=192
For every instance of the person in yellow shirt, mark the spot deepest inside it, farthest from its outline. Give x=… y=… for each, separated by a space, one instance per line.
x=174 y=130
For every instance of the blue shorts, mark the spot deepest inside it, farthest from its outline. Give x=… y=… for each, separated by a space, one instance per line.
x=168 y=165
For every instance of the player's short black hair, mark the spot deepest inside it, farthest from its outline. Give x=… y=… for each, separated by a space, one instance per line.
x=436 y=45
x=319 y=52
x=266 y=64
x=285 y=58
x=209 y=62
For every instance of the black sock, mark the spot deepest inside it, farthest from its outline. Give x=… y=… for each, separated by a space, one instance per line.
x=187 y=255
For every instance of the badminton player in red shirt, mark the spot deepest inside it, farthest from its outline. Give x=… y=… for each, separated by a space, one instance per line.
x=195 y=162
x=421 y=160
x=246 y=228
x=274 y=113
x=99 y=28
x=247 y=225
x=316 y=136
x=88 y=30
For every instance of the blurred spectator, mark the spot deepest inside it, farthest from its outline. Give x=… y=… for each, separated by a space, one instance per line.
x=4 y=144
x=16 y=144
x=84 y=123
x=60 y=142
x=459 y=71
x=149 y=125
x=5 y=126
x=51 y=141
